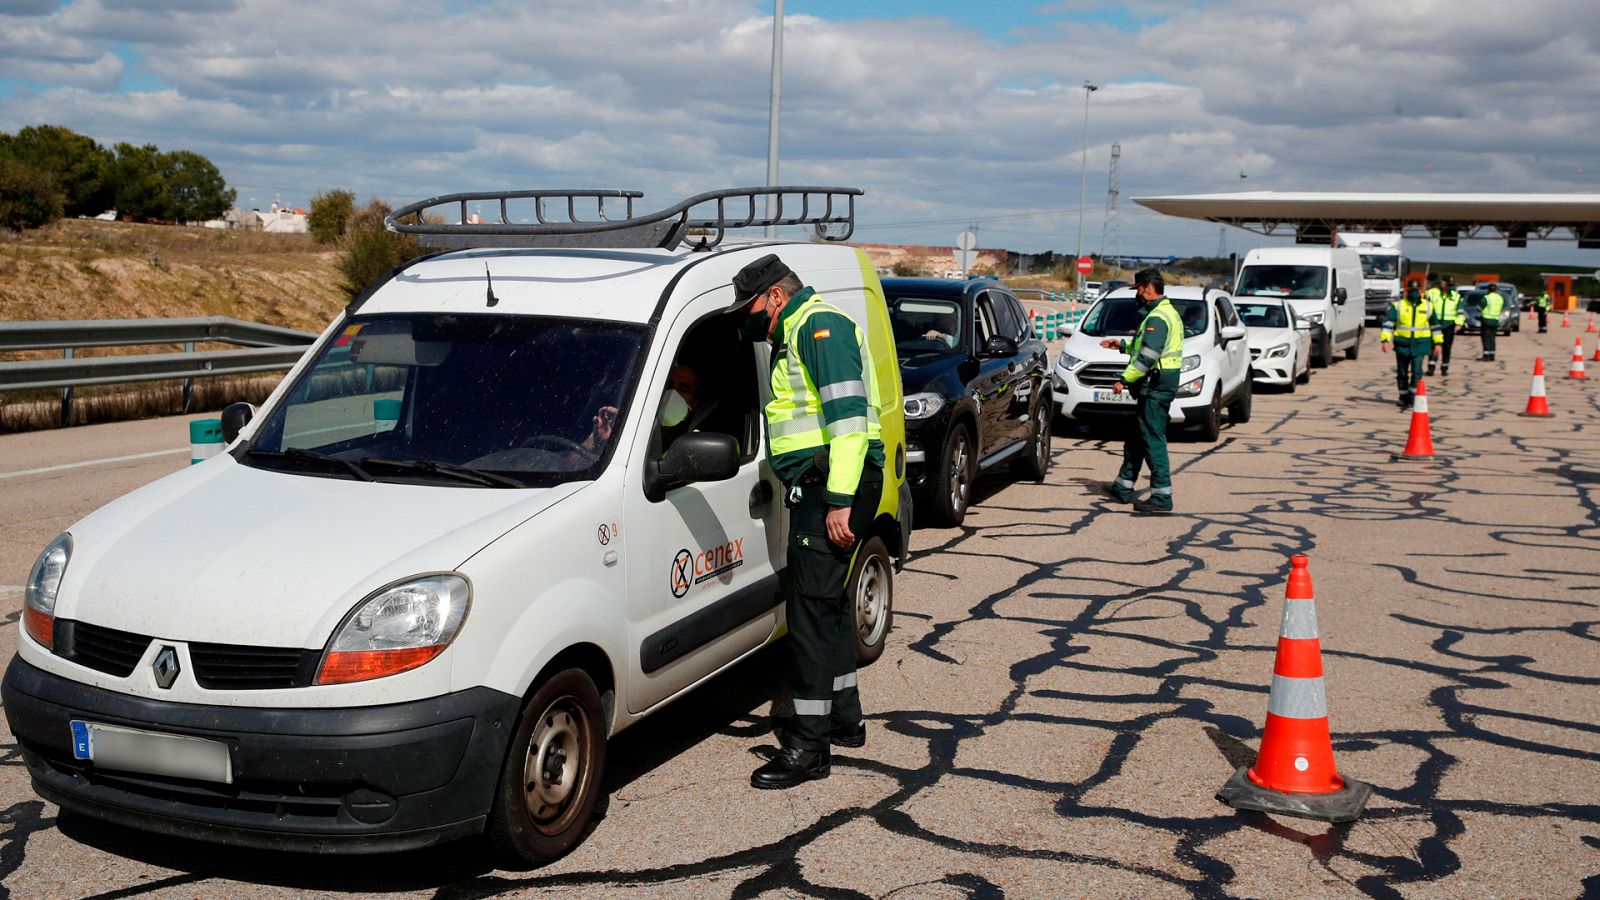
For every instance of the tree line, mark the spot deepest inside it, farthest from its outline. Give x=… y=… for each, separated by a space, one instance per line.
x=48 y=171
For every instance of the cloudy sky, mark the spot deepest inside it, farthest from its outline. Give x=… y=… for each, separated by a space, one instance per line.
x=946 y=112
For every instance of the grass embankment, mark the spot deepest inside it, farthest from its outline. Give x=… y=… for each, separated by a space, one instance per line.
x=78 y=269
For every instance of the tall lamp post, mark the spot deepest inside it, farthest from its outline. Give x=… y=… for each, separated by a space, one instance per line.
x=772 y=114
x=1089 y=87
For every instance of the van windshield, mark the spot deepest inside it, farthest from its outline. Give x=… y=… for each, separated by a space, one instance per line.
x=1121 y=316
x=459 y=400
x=1294 y=282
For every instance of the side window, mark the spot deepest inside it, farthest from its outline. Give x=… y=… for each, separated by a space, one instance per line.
x=1218 y=318
x=714 y=383
x=983 y=319
x=1230 y=316
x=1005 y=321
x=1019 y=317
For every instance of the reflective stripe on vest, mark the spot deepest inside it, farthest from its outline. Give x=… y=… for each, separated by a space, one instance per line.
x=794 y=416
x=1412 y=321
x=1172 y=353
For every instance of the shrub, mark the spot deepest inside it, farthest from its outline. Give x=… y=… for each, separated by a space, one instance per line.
x=80 y=167
x=907 y=269
x=29 y=198
x=367 y=249
x=330 y=215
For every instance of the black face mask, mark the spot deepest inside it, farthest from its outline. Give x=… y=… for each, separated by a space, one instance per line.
x=756 y=324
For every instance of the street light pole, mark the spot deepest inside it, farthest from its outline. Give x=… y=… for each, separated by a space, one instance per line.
x=772 y=114
x=1089 y=87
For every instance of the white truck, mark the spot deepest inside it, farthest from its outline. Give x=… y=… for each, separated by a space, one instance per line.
x=1382 y=268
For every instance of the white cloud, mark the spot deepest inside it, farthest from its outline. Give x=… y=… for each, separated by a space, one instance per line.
x=939 y=123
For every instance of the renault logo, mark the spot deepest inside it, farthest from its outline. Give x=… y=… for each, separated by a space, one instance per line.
x=166 y=667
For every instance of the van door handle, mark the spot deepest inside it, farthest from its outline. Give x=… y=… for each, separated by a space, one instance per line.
x=760 y=495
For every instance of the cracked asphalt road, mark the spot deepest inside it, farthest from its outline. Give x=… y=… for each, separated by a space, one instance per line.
x=1068 y=684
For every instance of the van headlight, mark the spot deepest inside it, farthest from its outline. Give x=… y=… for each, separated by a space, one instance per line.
x=921 y=406
x=1192 y=388
x=398 y=628
x=1277 y=352
x=1314 y=318
x=1190 y=363
x=44 y=584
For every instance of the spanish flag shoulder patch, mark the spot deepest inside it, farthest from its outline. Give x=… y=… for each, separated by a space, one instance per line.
x=820 y=333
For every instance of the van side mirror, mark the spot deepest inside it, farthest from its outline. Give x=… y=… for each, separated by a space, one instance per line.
x=1000 y=346
x=235 y=416
x=1340 y=296
x=696 y=456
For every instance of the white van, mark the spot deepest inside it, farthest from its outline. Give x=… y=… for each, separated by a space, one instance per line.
x=1216 y=361
x=512 y=501
x=1320 y=282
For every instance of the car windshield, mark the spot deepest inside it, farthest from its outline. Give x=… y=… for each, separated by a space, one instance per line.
x=1380 y=266
x=1122 y=315
x=463 y=400
x=925 y=324
x=1264 y=315
x=1294 y=282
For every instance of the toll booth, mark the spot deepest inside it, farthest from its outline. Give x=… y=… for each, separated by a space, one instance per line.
x=1560 y=289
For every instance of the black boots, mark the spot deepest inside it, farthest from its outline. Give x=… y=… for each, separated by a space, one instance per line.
x=790 y=767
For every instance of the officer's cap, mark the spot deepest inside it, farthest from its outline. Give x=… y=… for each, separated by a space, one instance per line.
x=1149 y=276
x=757 y=277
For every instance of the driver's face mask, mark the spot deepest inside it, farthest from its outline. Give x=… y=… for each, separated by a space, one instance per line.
x=674 y=409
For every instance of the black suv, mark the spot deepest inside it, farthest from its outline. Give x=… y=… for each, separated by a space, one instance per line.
x=977 y=388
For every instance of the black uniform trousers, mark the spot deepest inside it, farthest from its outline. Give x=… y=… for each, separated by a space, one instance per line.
x=1489 y=333
x=1544 y=316
x=1449 y=332
x=822 y=619
x=1408 y=361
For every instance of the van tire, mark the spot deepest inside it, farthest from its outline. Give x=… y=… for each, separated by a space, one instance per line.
x=1355 y=349
x=950 y=490
x=1324 y=348
x=871 y=592
x=1239 y=409
x=563 y=724
x=1034 y=464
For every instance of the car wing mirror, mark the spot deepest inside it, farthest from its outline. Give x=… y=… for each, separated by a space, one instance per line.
x=999 y=346
x=235 y=416
x=696 y=456
x=1232 y=333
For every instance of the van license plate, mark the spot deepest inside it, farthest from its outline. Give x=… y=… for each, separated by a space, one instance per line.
x=1112 y=397
x=152 y=753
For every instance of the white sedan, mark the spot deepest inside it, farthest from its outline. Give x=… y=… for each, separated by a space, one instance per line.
x=1279 y=340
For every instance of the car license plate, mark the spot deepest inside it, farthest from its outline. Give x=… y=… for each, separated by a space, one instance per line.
x=152 y=753
x=1113 y=397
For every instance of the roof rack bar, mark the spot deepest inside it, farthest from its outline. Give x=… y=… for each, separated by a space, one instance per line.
x=664 y=228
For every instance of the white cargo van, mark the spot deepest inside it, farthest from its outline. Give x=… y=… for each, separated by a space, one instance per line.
x=484 y=524
x=1320 y=282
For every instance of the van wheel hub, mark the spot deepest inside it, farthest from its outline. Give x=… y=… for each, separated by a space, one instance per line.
x=550 y=773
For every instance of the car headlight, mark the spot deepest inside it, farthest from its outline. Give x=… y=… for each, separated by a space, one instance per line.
x=921 y=406
x=398 y=628
x=44 y=583
x=1277 y=352
x=1314 y=318
x=1190 y=363
x=1068 y=361
x=1192 y=388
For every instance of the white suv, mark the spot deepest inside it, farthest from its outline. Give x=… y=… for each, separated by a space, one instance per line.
x=1216 y=360
x=486 y=522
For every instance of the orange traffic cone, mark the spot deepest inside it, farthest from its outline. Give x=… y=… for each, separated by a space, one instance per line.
x=1577 y=360
x=1591 y=328
x=1294 y=773
x=1419 y=444
x=1596 y=356
x=1537 y=405
x=1566 y=320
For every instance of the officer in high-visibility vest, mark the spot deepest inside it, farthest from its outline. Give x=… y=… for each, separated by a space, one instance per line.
x=1447 y=314
x=1489 y=320
x=1411 y=325
x=824 y=444
x=1542 y=307
x=1155 y=361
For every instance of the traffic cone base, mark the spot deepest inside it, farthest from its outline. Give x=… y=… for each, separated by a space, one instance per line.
x=1294 y=774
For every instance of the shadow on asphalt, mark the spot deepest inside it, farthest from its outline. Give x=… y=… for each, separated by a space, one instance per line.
x=732 y=704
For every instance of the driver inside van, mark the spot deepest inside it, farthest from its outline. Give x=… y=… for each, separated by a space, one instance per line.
x=681 y=398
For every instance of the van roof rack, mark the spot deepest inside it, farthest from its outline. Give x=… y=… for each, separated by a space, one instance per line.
x=665 y=229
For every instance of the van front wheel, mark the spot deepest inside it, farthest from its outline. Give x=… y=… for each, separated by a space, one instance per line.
x=550 y=781
x=871 y=590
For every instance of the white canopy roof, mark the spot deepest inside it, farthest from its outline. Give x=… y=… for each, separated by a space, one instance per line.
x=1312 y=217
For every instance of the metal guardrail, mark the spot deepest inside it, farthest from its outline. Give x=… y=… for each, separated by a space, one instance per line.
x=268 y=348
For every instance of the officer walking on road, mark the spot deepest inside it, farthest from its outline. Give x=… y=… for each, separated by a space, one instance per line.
x=1410 y=323
x=1155 y=360
x=824 y=444
x=1446 y=303
x=1542 y=306
x=1489 y=320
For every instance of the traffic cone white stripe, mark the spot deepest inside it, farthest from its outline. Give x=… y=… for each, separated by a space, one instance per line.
x=1419 y=403
x=1299 y=620
x=1538 y=386
x=1298 y=698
